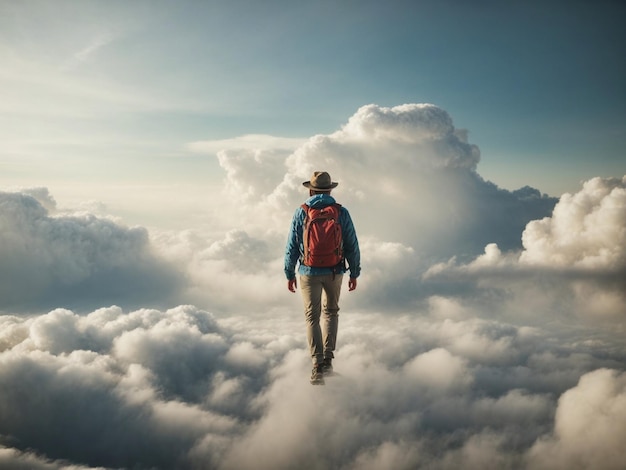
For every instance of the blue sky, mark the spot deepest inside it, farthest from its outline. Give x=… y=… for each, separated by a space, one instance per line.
x=104 y=91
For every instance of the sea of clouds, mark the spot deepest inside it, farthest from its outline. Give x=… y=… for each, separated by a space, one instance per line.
x=487 y=330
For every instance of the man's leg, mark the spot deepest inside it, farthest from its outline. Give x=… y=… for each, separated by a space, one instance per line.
x=332 y=290
x=311 y=288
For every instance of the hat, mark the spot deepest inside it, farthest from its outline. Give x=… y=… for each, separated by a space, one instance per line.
x=320 y=181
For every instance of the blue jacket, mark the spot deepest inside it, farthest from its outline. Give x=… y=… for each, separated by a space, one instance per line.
x=295 y=246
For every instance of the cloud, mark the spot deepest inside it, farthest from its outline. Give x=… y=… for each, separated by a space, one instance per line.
x=107 y=389
x=183 y=388
x=254 y=142
x=409 y=179
x=496 y=357
x=428 y=223
x=252 y=173
x=43 y=196
x=72 y=260
x=406 y=173
x=233 y=271
x=99 y=41
x=579 y=251
x=418 y=126
x=438 y=370
x=586 y=230
x=590 y=426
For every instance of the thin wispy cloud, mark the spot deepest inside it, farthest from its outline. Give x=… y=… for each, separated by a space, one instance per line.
x=255 y=142
x=93 y=47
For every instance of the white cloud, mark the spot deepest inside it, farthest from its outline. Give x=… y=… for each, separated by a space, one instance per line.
x=234 y=271
x=410 y=181
x=183 y=388
x=42 y=195
x=405 y=173
x=408 y=178
x=469 y=366
x=69 y=260
x=586 y=230
x=400 y=455
x=579 y=251
x=438 y=370
x=590 y=426
x=416 y=125
x=252 y=174
x=252 y=142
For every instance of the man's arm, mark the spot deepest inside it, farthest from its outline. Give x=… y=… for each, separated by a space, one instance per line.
x=351 y=248
x=292 y=251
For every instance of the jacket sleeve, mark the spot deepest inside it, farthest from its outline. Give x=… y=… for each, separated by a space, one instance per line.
x=294 y=240
x=350 y=245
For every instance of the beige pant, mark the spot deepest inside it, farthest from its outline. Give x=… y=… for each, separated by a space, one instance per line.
x=315 y=289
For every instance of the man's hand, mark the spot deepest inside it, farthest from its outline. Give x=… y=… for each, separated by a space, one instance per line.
x=292 y=284
x=352 y=283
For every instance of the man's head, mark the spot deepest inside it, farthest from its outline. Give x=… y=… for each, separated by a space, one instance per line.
x=320 y=182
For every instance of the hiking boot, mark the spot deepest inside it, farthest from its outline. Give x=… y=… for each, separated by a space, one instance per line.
x=327 y=367
x=317 y=376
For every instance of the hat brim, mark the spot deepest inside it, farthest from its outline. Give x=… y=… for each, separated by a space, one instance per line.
x=307 y=184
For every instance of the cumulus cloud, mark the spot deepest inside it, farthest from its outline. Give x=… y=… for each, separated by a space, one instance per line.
x=586 y=229
x=43 y=196
x=590 y=426
x=408 y=175
x=68 y=260
x=230 y=271
x=410 y=180
x=579 y=251
x=183 y=388
x=254 y=163
x=251 y=173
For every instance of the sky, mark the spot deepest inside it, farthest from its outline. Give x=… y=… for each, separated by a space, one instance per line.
x=102 y=91
x=152 y=155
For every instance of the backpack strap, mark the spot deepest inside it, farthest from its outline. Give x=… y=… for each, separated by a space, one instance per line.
x=305 y=239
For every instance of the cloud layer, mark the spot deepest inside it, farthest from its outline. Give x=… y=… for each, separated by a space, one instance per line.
x=185 y=389
x=487 y=330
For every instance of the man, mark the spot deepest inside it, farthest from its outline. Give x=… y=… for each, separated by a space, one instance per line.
x=321 y=283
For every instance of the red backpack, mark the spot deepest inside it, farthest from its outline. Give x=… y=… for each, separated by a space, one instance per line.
x=323 y=242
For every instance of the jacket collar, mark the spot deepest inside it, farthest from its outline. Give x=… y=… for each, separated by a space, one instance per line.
x=320 y=200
